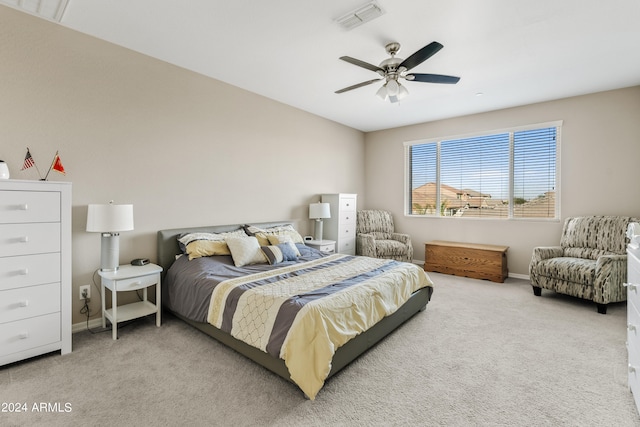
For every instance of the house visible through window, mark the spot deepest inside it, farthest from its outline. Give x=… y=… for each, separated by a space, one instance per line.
x=507 y=174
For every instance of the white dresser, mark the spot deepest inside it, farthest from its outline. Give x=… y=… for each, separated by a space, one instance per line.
x=341 y=227
x=35 y=269
x=633 y=320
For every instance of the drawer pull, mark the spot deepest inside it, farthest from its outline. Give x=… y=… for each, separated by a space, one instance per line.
x=23 y=335
x=632 y=369
x=631 y=286
x=631 y=327
x=24 y=303
x=23 y=239
x=24 y=207
x=23 y=272
x=138 y=283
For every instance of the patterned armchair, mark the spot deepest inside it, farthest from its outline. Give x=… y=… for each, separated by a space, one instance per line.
x=590 y=263
x=375 y=237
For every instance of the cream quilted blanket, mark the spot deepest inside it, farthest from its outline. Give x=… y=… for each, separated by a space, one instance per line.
x=302 y=313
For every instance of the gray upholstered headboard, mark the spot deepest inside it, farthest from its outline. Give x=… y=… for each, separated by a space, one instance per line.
x=168 y=244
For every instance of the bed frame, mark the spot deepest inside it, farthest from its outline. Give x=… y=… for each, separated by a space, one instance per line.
x=168 y=249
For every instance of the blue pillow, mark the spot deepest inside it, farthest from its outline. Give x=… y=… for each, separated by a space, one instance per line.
x=289 y=251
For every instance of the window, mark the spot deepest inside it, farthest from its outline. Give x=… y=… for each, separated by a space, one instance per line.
x=506 y=174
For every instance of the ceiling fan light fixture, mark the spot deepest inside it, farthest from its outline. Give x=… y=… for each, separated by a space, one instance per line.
x=382 y=92
x=402 y=91
x=393 y=87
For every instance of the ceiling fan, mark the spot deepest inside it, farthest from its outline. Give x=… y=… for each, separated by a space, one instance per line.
x=392 y=69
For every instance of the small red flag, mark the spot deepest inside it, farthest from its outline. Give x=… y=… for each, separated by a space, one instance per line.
x=57 y=165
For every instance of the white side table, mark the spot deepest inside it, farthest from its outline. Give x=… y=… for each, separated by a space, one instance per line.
x=130 y=278
x=326 y=246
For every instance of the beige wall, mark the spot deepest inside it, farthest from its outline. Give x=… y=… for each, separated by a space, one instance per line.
x=184 y=149
x=600 y=158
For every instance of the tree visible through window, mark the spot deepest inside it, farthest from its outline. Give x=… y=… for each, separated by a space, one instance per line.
x=510 y=174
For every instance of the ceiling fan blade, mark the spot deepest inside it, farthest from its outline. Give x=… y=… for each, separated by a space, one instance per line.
x=432 y=78
x=422 y=55
x=357 y=85
x=362 y=64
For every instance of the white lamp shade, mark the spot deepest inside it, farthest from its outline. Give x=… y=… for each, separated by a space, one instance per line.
x=109 y=218
x=319 y=210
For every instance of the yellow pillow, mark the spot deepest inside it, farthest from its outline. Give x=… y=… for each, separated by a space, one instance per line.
x=200 y=248
x=277 y=239
x=263 y=239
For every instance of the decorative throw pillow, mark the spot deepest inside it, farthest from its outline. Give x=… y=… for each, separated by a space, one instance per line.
x=263 y=239
x=245 y=251
x=273 y=254
x=200 y=248
x=289 y=251
x=276 y=239
x=197 y=245
x=279 y=230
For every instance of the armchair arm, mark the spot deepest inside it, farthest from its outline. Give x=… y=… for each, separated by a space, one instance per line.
x=540 y=253
x=406 y=239
x=366 y=245
x=400 y=237
x=611 y=273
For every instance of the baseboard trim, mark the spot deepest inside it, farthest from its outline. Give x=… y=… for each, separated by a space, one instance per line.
x=82 y=326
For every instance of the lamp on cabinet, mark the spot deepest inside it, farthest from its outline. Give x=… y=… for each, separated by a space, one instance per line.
x=319 y=211
x=109 y=220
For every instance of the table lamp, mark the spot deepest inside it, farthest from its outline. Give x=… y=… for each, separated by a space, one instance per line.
x=319 y=211
x=109 y=220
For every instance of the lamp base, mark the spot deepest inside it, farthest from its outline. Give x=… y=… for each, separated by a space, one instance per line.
x=109 y=252
x=318 y=230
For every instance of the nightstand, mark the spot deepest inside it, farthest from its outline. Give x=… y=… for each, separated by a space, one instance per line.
x=326 y=246
x=130 y=278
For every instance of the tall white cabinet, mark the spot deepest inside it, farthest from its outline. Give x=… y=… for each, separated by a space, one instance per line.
x=35 y=269
x=633 y=320
x=341 y=227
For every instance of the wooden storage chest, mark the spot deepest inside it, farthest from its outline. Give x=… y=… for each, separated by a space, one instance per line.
x=467 y=259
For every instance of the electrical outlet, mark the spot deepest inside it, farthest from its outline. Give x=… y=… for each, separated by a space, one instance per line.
x=85 y=292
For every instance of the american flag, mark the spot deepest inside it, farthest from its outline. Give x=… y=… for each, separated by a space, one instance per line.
x=28 y=161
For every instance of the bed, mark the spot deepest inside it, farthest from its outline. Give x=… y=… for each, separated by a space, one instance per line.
x=211 y=292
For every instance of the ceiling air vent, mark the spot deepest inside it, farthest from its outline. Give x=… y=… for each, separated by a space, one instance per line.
x=361 y=15
x=48 y=9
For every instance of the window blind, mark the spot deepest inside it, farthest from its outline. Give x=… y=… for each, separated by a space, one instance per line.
x=506 y=174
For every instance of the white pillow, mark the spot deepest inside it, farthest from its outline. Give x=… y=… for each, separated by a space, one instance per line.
x=245 y=251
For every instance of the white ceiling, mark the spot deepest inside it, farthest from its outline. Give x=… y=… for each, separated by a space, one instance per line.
x=514 y=52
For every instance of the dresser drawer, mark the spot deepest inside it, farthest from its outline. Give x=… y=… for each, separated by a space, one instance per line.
x=28 y=270
x=347 y=231
x=347 y=204
x=135 y=283
x=29 y=206
x=31 y=301
x=29 y=333
x=25 y=239
x=634 y=370
x=348 y=218
x=347 y=246
x=633 y=323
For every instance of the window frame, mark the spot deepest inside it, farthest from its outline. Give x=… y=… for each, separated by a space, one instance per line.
x=511 y=130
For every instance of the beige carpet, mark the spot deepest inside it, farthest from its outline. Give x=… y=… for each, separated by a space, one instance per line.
x=482 y=354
